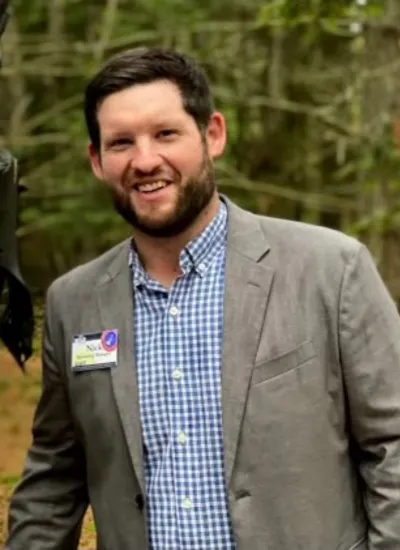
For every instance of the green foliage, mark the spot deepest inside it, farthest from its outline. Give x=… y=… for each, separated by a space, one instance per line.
x=309 y=90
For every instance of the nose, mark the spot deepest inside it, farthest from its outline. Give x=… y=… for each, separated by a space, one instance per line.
x=145 y=160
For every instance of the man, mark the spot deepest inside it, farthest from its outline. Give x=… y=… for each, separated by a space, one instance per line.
x=221 y=380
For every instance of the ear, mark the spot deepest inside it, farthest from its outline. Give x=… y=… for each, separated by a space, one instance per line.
x=216 y=135
x=95 y=161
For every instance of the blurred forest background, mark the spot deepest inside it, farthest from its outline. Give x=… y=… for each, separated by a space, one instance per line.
x=310 y=89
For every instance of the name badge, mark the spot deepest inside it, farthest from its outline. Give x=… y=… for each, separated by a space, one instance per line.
x=94 y=351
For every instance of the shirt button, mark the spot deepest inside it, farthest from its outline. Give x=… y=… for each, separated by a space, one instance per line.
x=177 y=374
x=202 y=268
x=187 y=504
x=182 y=438
x=174 y=311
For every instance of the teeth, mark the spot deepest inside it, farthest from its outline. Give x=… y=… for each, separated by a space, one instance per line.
x=152 y=186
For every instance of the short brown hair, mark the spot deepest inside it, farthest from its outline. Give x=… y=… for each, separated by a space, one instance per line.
x=144 y=65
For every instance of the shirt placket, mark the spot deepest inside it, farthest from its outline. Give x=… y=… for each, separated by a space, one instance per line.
x=179 y=385
x=159 y=469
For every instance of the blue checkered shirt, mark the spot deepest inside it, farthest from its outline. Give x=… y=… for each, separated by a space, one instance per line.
x=178 y=336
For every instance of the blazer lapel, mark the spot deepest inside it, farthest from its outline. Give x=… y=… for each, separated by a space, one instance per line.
x=115 y=302
x=248 y=285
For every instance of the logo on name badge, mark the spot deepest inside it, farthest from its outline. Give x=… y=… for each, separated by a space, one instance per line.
x=109 y=340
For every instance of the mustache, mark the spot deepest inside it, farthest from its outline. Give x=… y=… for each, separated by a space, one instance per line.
x=132 y=178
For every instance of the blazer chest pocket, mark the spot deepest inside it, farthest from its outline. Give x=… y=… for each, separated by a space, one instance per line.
x=283 y=363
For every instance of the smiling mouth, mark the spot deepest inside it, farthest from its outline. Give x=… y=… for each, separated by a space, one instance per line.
x=151 y=187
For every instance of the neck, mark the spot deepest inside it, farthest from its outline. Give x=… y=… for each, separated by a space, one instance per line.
x=160 y=256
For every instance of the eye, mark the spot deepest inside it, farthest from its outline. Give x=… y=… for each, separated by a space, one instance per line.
x=167 y=132
x=120 y=143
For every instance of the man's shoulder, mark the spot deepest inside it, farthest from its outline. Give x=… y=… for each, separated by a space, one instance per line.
x=295 y=233
x=303 y=248
x=87 y=275
x=293 y=242
x=292 y=232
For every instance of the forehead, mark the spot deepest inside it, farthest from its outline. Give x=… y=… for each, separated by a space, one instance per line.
x=142 y=103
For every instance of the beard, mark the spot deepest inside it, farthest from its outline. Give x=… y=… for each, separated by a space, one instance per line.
x=193 y=198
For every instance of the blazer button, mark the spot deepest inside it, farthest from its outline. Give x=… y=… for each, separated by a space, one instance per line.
x=139 y=502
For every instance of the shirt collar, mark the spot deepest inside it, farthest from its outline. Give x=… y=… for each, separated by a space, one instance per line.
x=201 y=251
x=198 y=254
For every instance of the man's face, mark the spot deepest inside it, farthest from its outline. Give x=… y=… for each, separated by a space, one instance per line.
x=157 y=163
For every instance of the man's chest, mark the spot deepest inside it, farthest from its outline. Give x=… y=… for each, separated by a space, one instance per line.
x=178 y=343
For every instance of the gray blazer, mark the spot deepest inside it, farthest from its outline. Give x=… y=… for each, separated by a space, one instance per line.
x=311 y=401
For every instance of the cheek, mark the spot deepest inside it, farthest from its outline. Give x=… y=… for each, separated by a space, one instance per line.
x=114 y=167
x=187 y=162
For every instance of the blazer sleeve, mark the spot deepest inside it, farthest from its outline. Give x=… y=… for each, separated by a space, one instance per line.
x=47 y=508
x=369 y=332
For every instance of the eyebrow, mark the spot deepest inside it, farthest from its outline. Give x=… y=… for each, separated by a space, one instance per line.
x=171 y=122
x=128 y=132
